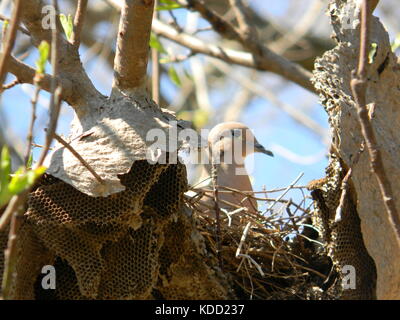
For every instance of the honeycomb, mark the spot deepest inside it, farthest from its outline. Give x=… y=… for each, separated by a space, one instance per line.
x=136 y=244
x=344 y=239
x=185 y=270
x=66 y=276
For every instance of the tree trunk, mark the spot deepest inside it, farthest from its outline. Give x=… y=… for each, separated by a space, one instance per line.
x=332 y=77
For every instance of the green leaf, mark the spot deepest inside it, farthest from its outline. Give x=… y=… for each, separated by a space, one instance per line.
x=174 y=76
x=396 y=43
x=33 y=175
x=19 y=181
x=23 y=179
x=5 y=169
x=372 y=52
x=168 y=5
x=200 y=118
x=5 y=196
x=67 y=24
x=5 y=26
x=156 y=44
x=164 y=60
x=44 y=49
x=30 y=161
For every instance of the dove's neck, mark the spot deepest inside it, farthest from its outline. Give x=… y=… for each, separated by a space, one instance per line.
x=233 y=176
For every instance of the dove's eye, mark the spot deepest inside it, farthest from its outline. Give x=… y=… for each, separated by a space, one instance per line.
x=236 y=132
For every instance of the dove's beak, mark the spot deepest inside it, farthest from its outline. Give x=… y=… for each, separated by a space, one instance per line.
x=259 y=148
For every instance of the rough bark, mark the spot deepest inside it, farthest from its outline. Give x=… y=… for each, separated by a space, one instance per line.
x=332 y=77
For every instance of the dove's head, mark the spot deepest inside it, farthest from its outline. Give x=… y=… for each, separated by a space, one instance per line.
x=233 y=141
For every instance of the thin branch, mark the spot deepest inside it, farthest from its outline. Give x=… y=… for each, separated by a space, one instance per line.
x=20 y=28
x=268 y=95
x=272 y=63
x=246 y=256
x=12 y=84
x=78 y=22
x=284 y=193
x=14 y=210
x=174 y=21
x=55 y=101
x=79 y=157
x=26 y=74
x=299 y=30
x=214 y=178
x=237 y=105
x=201 y=30
x=261 y=55
x=359 y=84
x=10 y=40
x=155 y=76
x=246 y=27
x=39 y=146
x=81 y=90
x=73 y=89
x=32 y=123
x=15 y=202
x=50 y=132
x=345 y=185
x=180 y=57
x=231 y=213
x=218 y=23
x=249 y=194
x=268 y=61
x=131 y=58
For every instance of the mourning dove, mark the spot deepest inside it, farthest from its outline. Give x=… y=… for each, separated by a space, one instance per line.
x=230 y=143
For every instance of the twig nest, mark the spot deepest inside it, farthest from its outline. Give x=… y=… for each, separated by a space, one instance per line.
x=110 y=138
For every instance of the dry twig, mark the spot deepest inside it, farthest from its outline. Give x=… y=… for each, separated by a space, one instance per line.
x=79 y=157
x=11 y=84
x=271 y=256
x=276 y=64
x=78 y=22
x=260 y=54
x=14 y=208
x=20 y=28
x=155 y=69
x=10 y=39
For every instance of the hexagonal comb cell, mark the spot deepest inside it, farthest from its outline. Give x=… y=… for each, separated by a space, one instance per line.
x=96 y=251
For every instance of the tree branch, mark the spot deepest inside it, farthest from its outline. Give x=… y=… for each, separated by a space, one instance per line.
x=69 y=64
x=131 y=58
x=359 y=83
x=246 y=28
x=296 y=114
x=20 y=28
x=66 y=145
x=275 y=63
x=26 y=74
x=155 y=67
x=261 y=55
x=9 y=41
x=78 y=22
